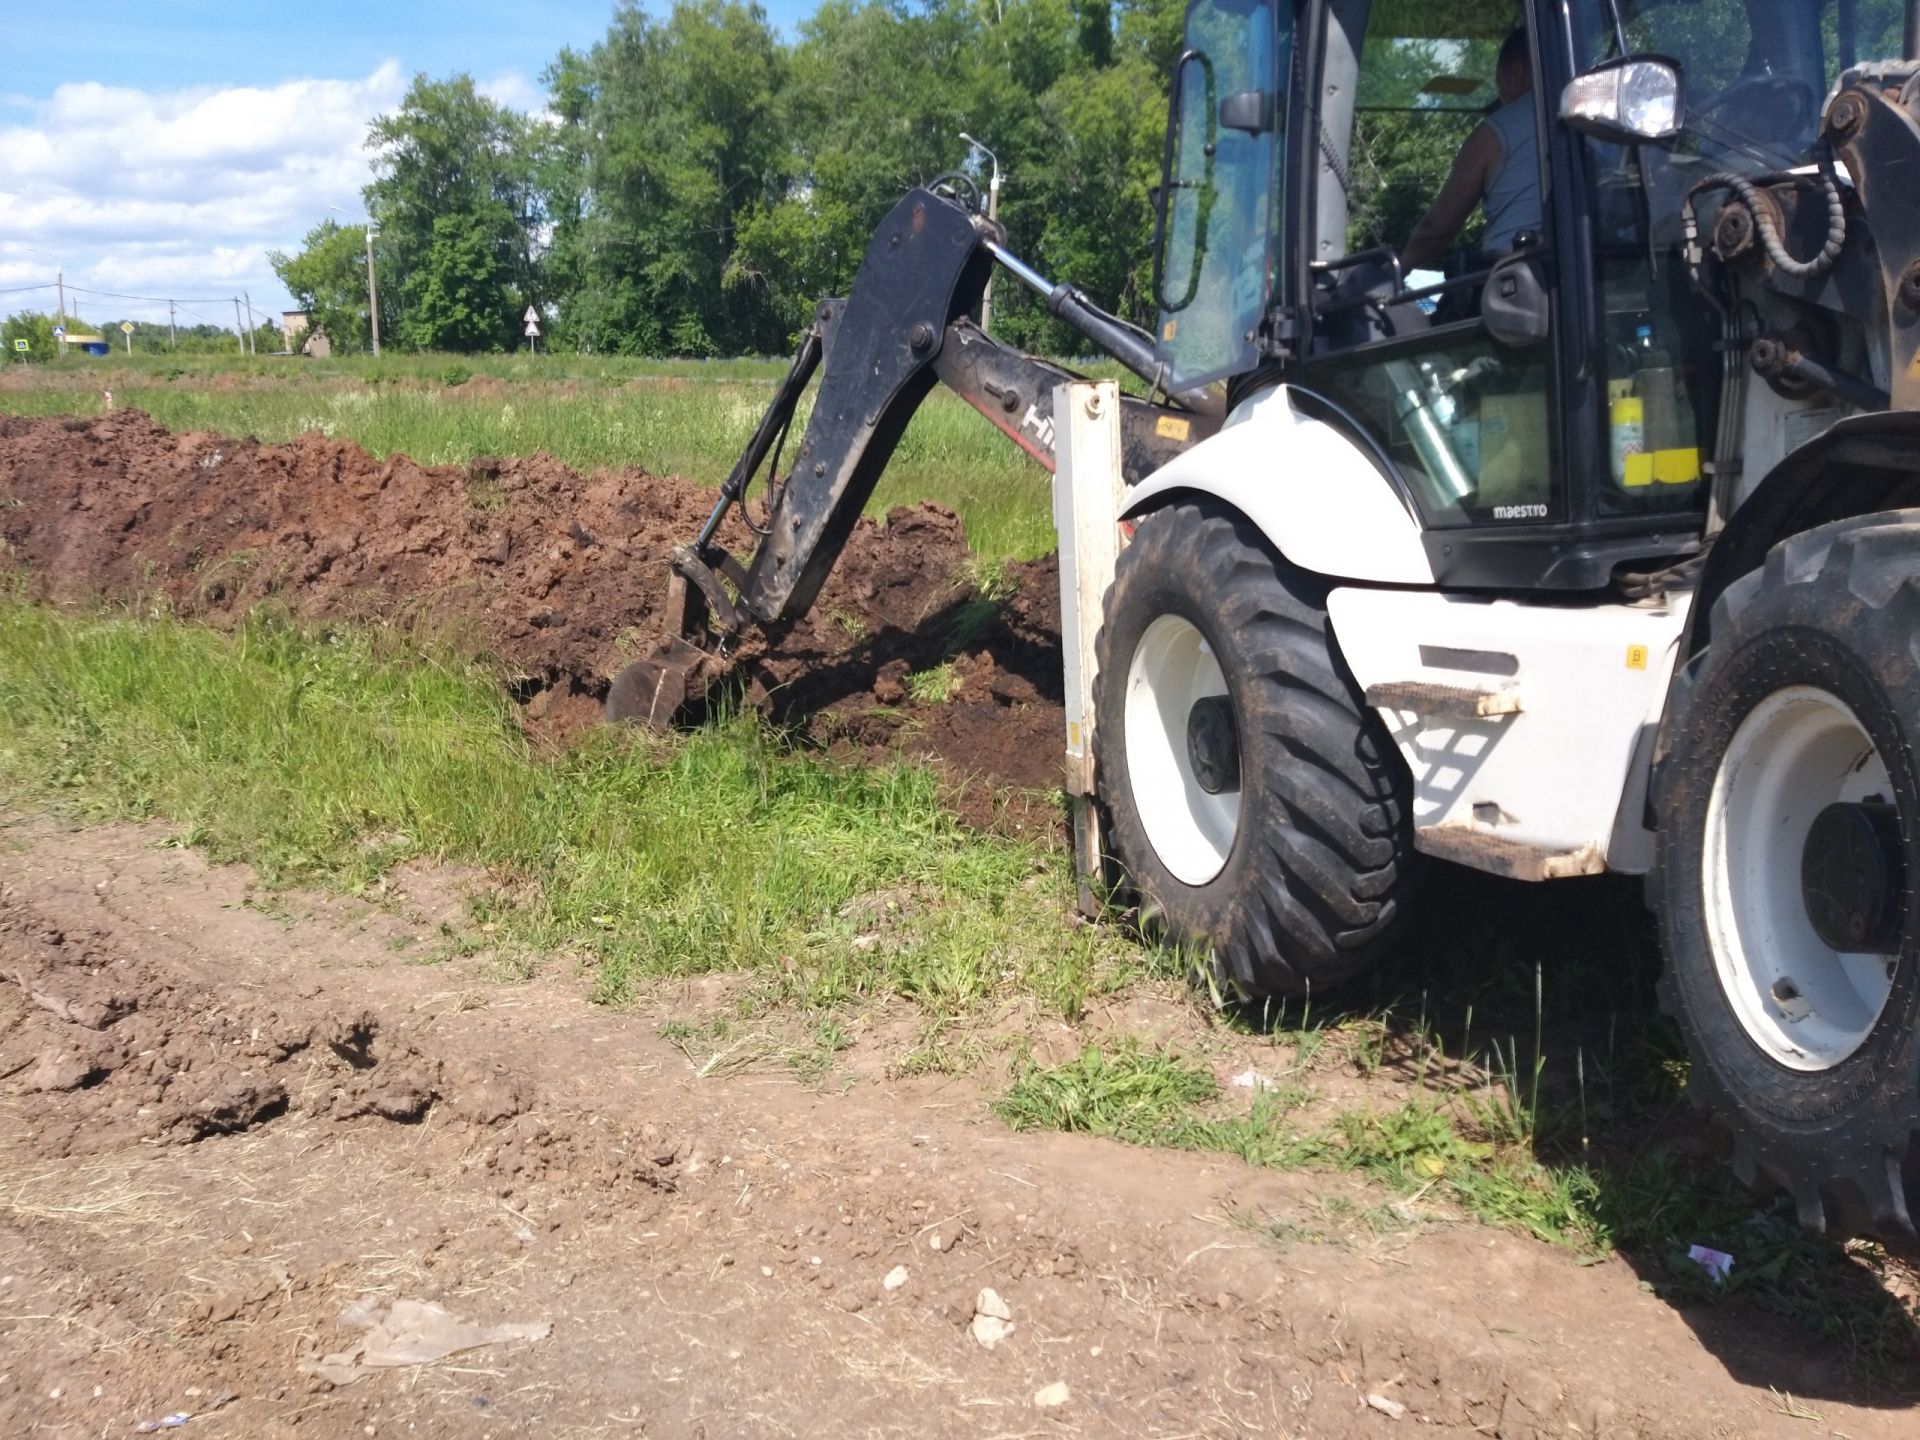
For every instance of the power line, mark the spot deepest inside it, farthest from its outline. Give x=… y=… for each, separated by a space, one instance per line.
x=186 y=310
x=185 y=306
x=149 y=299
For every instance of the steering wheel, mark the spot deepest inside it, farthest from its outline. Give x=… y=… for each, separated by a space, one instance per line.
x=1785 y=103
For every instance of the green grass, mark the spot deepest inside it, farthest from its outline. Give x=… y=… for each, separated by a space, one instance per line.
x=329 y=758
x=682 y=417
x=1147 y=1097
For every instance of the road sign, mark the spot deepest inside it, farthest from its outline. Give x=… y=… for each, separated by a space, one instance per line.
x=59 y=332
x=21 y=345
x=532 y=317
x=126 y=327
x=533 y=329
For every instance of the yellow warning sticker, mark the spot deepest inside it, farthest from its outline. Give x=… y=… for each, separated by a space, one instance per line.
x=1073 y=736
x=1172 y=427
x=1167 y=330
x=1636 y=657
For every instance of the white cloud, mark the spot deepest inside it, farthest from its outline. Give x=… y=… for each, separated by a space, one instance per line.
x=181 y=193
x=515 y=91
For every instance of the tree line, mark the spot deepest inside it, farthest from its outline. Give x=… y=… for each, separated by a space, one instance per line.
x=695 y=181
x=36 y=328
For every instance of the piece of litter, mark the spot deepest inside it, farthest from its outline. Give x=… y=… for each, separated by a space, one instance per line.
x=1052 y=1396
x=1253 y=1080
x=1392 y=1409
x=896 y=1277
x=1717 y=1263
x=410 y=1332
x=180 y=1417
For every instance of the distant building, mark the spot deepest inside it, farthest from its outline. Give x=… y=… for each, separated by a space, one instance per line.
x=294 y=323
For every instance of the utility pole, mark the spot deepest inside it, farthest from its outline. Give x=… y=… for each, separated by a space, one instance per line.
x=253 y=345
x=239 y=334
x=373 y=294
x=173 y=337
x=60 y=283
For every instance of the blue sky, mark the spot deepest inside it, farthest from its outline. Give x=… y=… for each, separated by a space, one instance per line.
x=160 y=149
x=220 y=42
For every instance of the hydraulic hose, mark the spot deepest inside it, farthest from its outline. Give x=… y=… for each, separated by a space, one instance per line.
x=1749 y=195
x=1131 y=346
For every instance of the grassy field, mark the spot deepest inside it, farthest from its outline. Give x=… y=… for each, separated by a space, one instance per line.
x=686 y=417
x=830 y=891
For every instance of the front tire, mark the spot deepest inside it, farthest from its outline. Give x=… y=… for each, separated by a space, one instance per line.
x=1789 y=821
x=1255 y=803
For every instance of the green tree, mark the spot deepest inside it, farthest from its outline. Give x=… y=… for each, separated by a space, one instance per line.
x=457 y=290
x=455 y=196
x=672 y=128
x=36 y=329
x=328 y=279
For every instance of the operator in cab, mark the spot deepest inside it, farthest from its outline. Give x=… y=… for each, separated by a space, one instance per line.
x=1498 y=168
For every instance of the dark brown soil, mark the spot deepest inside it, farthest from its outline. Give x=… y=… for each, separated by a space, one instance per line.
x=555 y=574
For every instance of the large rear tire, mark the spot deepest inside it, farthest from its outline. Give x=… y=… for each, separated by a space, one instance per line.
x=1789 y=816
x=1256 y=805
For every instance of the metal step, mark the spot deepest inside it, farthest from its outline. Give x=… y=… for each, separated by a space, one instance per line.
x=1499 y=855
x=1459 y=702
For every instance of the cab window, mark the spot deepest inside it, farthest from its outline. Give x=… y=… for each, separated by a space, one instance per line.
x=1221 y=206
x=1430 y=175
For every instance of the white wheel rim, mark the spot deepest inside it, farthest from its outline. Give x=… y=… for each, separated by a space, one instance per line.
x=1191 y=831
x=1807 y=1005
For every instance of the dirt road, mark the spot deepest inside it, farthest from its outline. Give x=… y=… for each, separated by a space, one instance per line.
x=226 y=1118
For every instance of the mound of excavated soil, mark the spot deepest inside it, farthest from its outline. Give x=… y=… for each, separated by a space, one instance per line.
x=556 y=574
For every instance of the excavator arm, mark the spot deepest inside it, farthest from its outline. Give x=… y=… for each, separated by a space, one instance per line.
x=878 y=353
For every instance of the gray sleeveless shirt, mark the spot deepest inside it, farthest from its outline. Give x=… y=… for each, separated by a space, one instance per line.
x=1512 y=201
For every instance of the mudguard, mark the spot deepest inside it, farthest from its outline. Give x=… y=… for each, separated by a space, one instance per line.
x=1319 y=498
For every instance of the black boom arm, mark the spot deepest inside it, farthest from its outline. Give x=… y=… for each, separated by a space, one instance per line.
x=902 y=328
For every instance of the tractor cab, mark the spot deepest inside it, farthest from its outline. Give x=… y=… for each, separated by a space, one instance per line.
x=1530 y=370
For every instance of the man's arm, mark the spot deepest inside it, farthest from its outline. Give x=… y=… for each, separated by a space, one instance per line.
x=1473 y=171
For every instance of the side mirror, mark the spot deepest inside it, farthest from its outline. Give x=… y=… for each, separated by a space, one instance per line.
x=1251 y=111
x=1631 y=101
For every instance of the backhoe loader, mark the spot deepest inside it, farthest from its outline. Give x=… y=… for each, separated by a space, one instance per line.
x=1597 y=549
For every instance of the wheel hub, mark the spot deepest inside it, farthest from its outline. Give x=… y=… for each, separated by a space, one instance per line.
x=1850 y=876
x=1801 y=796
x=1183 y=750
x=1213 y=745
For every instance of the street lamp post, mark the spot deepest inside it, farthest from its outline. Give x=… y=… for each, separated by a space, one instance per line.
x=373 y=290
x=993 y=213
